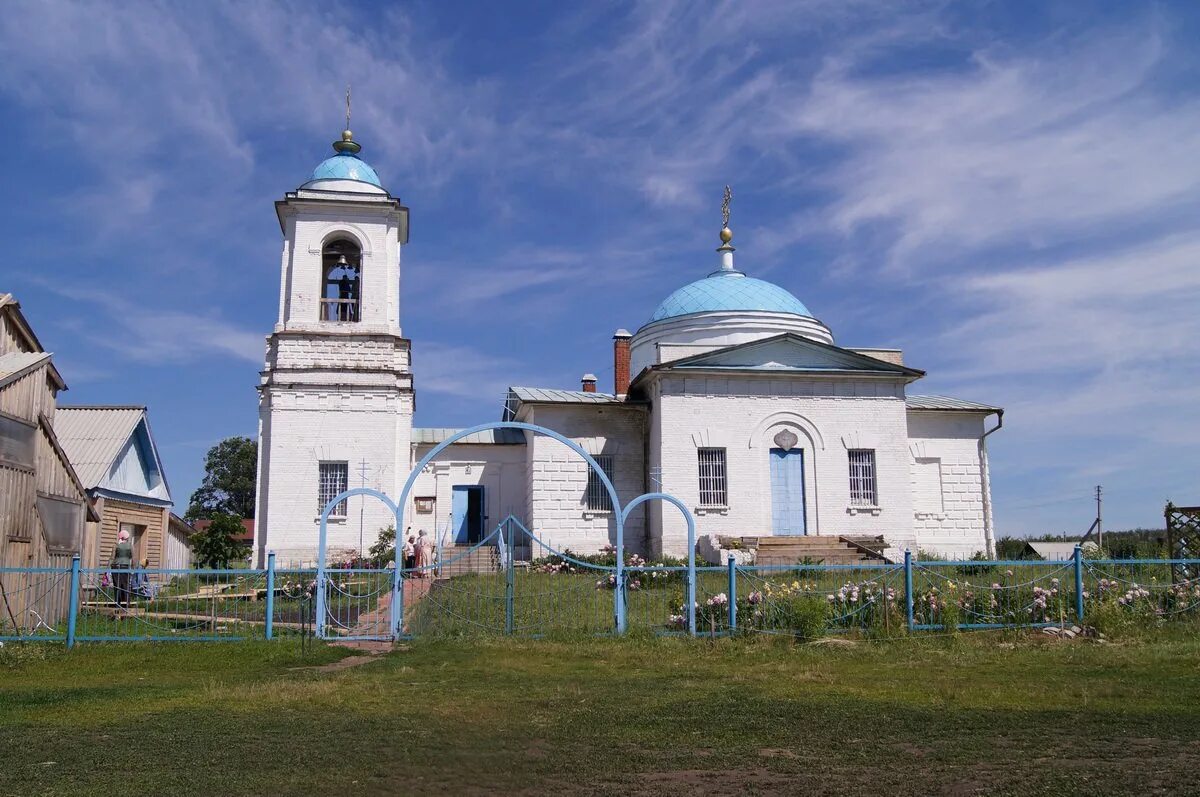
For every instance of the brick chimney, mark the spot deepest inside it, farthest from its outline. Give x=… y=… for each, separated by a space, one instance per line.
x=589 y=383
x=621 y=362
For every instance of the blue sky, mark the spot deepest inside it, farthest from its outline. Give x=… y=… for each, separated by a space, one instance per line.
x=1007 y=191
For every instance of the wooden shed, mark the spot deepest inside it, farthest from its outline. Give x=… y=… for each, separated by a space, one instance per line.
x=45 y=511
x=113 y=450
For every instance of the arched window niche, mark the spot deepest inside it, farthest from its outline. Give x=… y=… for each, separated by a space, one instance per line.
x=341 y=281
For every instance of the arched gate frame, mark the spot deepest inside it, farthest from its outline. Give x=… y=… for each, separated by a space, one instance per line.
x=322 y=574
x=621 y=514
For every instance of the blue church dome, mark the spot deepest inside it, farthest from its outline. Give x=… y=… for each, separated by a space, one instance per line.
x=346 y=166
x=728 y=290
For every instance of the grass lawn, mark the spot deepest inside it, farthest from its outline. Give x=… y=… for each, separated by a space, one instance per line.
x=984 y=714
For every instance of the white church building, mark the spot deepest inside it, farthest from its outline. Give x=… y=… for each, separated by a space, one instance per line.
x=732 y=396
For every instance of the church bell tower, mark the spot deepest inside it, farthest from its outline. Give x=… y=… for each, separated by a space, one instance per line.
x=336 y=392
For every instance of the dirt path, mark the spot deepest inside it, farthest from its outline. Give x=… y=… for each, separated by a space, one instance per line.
x=376 y=621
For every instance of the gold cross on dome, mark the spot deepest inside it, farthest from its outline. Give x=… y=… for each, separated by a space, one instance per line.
x=347 y=107
x=725 y=206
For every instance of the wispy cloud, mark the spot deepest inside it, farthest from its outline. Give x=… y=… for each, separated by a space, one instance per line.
x=143 y=334
x=465 y=372
x=1015 y=203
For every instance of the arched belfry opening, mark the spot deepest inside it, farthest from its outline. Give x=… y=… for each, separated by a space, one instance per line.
x=341 y=291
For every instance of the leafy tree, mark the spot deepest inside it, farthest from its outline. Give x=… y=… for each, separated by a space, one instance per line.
x=384 y=548
x=229 y=480
x=216 y=545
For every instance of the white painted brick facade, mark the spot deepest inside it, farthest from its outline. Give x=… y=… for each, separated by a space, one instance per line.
x=558 y=476
x=501 y=470
x=302 y=429
x=330 y=391
x=952 y=438
x=743 y=414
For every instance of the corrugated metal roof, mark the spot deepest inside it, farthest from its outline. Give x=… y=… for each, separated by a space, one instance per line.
x=947 y=403
x=16 y=363
x=497 y=437
x=94 y=436
x=547 y=394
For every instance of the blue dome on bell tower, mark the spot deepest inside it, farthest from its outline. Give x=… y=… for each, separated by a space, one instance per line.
x=346 y=165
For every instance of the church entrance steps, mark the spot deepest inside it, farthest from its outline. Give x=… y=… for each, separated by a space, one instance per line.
x=485 y=559
x=814 y=549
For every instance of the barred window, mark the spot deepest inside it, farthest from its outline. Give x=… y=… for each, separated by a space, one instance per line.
x=334 y=476
x=713 y=490
x=862 y=477
x=597 y=498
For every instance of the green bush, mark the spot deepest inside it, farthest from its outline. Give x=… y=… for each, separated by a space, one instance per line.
x=950 y=613
x=1113 y=620
x=806 y=617
x=804 y=614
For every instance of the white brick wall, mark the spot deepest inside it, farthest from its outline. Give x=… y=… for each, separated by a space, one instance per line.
x=952 y=438
x=501 y=469
x=300 y=430
x=558 y=476
x=308 y=225
x=743 y=414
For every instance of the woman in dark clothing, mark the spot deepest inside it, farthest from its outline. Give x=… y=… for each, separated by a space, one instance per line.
x=122 y=561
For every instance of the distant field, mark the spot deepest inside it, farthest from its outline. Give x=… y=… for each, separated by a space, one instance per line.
x=985 y=714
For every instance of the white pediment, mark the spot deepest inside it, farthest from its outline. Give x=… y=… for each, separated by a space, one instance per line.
x=788 y=353
x=136 y=470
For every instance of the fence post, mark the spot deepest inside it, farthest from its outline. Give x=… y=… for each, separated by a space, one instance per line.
x=270 y=595
x=396 y=621
x=509 y=570
x=73 y=602
x=908 y=588
x=319 y=625
x=732 y=593
x=1079 y=583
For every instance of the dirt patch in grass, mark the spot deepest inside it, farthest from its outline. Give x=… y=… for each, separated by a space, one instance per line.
x=339 y=665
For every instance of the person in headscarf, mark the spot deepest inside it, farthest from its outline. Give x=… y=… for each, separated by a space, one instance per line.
x=122 y=561
x=409 y=552
x=424 y=554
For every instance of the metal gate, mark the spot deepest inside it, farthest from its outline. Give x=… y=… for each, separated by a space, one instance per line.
x=486 y=590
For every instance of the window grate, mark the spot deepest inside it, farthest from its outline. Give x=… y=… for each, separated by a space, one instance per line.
x=597 y=498
x=334 y=476
x=862 y=477
x=712 y=477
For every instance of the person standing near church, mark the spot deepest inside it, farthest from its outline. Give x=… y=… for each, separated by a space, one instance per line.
x=424 y=553
x=410 y=555
x=122 y=561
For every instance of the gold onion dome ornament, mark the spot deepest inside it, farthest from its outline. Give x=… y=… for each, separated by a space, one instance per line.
x=347 y=145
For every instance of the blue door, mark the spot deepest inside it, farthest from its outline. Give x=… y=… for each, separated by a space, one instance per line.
x=467 y=519
x=787 y=491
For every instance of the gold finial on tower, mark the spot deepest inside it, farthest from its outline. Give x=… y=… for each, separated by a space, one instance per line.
x=347 y=144
x=726 y=233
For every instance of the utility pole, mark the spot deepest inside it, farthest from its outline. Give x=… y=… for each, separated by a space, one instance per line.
x=1099 y=517
x=362 y=475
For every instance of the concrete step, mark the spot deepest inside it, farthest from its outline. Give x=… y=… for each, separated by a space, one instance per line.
x=824 y=549
x=480 y=560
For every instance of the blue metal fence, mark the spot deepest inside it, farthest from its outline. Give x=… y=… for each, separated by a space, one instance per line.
x=486 y=590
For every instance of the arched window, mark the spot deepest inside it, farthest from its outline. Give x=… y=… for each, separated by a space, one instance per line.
x=341 y=286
